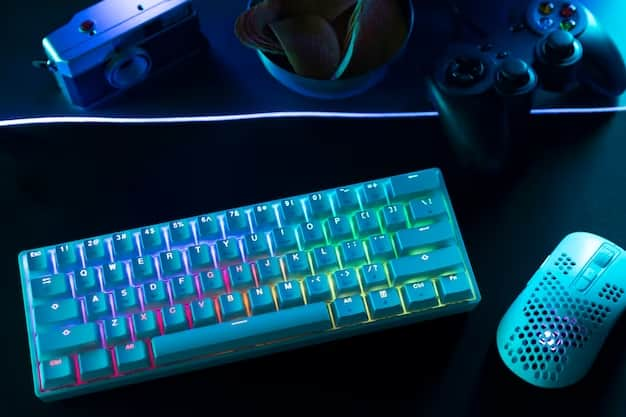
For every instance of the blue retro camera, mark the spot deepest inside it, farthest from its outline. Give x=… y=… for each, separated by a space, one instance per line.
x=117 y=44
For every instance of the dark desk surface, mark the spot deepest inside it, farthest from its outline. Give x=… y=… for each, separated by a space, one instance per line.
x=62 y=183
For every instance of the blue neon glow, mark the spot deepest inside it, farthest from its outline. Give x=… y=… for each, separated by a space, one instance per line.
x=269 y=115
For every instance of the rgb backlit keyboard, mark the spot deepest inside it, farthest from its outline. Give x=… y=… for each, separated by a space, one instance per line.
x=163 y=299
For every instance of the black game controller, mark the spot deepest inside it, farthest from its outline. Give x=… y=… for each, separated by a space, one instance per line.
x=485 y=92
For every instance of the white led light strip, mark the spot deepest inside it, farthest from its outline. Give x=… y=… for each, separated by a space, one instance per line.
x=270 y=115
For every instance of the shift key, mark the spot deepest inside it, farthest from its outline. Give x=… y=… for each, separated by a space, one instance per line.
x=409 y=240
x=64 y=341
x=431 y=263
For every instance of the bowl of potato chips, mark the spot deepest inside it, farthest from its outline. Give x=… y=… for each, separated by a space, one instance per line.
x=327 y=49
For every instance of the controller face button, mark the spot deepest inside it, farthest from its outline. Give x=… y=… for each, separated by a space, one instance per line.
x=568 y=10
x=559 y=45
x=465 y=71
x=568 y=25
x=546 y=8
x=546 y=23
x=87 y=26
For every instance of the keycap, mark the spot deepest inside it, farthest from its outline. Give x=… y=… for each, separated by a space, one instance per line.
x=228 y=252
x=86 y=281
x=57 y=372
x=319 y=206
x=132 y=356
x=95 y=364
x=349 y=310
x=317 y=288
x=145 y=324
x=407 y=267
x=53 y=286
x=95 y=251
x=373 y=194
x=347 y=200
x=346 y=282
x=283 y=240
x=180 y=233
x=38 y=261
x=454 y=287
x=261 y=300
x=152 y=240
x=155 y=293
x=268 y=270
x=383 y=303
x=393 y=217
x=143 y=270
x=116 y=331
x=403 y=187
x=98 y=305
x=171 y=263
x=303 y=320
x=126 y=300
x=63 y=341
x=264 y=216
x=174 y=319
x=419 y=295
x=256 y=246
x=426 y=207
x=289 y=294
x=208 y=228
x=67 y=257
x=124 y=246
x=115 y=275
x=183 y=288
x=311 y=234
x=352 y=252
x=231 y=306
x=366 y=223
x=200 y=257
x=237 y=222
x=408 y=240
x=373 y=277
x=339 y=229
x=380 y=248
x=292 y=211
x=240 y=276
x=58 y=312
x=203 y=313
x=211 y=282
x=325 y=258
x=297 y=264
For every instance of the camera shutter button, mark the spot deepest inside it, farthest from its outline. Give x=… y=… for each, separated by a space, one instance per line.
x=87 y=26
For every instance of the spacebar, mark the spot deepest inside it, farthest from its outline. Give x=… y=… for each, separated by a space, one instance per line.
x=244 y=333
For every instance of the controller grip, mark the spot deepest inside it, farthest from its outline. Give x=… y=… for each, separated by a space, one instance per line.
x=603 y=67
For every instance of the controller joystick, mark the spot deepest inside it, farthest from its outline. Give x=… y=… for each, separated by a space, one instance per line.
x=514 y=76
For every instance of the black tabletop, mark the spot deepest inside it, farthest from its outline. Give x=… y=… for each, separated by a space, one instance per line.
x=64 y=182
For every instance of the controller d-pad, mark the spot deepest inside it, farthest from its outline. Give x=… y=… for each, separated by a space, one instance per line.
x=465 y=71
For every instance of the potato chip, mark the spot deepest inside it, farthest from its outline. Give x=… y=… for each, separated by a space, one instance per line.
x=252 y=29
x=382 y=29
x=311 y=45
x=328 y=9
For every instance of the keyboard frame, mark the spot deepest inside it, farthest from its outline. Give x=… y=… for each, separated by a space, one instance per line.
x=316 y=338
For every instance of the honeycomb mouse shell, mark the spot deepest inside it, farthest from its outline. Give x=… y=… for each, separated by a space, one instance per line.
x=551 y=334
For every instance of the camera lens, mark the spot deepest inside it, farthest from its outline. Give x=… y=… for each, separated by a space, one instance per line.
x=128 y=69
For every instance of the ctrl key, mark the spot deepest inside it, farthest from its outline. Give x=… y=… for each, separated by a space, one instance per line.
x=57 y=372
